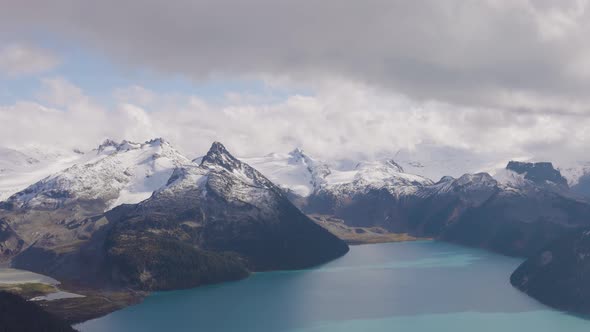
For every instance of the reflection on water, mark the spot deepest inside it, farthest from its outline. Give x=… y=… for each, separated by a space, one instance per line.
x=412 y=286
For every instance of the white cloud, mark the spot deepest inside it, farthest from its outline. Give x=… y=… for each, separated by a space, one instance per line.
x=59 y=92
x=458 y=51
x=21 y=59
x=342 y=120
x=490 y=78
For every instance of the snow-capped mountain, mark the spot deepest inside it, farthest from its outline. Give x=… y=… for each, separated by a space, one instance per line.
x=210 y=221
x=113 y=174
x=578 y=176
x=295 y=171
x=224 y=204
x=304 y=175
x=526 y=177
x=515 y=212
x=574 y=172
x=218 y=203
x=60 y=209
x=374 y=175
x=223 y=174
x=22 y=167
x=466 y=184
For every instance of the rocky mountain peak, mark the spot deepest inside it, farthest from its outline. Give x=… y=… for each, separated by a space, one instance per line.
x=111 y=146
x=539 y=173
x=394 y=165
x=219 y=156
x=106 y=144
x=159 y=141
x=125 y=172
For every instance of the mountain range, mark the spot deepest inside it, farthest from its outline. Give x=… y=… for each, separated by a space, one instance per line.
x=518 y=210
x=143 y=215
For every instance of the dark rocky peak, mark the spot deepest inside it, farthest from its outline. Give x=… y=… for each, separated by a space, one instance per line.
x=394 y=165
x=157 y=142
x=125 y=145
x=219 y=156
x=106 y=144
x=539 y=173
x=218 y=162
x=178 y=173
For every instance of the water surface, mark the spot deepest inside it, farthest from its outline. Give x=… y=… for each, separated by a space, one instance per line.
x=411 y=286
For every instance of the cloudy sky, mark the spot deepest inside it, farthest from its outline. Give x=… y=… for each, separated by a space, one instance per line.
x=487 y=79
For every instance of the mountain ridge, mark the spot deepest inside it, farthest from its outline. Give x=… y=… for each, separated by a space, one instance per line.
x=213 y=222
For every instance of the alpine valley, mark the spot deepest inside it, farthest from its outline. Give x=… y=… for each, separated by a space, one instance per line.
x=129 y=218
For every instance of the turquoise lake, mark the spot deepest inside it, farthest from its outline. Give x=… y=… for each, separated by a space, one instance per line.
x=410 y=286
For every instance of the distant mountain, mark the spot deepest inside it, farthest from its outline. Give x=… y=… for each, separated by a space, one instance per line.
x=58 y=212
x=303 y=175
x=559 y=274
x=541 y=173
x=578 y=176
x=116 y=173
x=372 y=194
x=296 y=172
x=203 y=223
x=20 y=168
x=18 y=314
x=514 y=218
x=526 y=207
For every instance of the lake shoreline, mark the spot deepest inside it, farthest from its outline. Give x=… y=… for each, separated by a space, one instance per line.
x=96 y=303
x=99 y=303
x=404 y=285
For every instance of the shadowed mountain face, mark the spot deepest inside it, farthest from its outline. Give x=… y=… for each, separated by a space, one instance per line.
x=583 y=186
x=18 y=314
x=210 y=222
x=559 y=274
x=224 y=205
x=10 y=242
x=540 y=173
x=529 y=208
